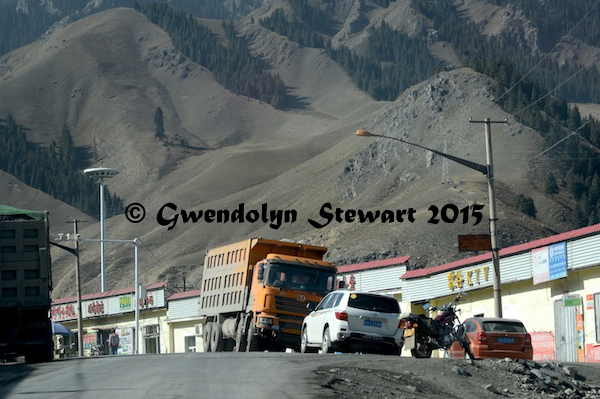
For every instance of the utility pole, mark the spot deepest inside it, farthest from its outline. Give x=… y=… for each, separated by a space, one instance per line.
x=493 y=219
x=78 y=285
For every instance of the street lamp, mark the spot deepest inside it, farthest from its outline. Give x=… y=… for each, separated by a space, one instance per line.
x=102 y=174
x=486 y=170
x=136 y=243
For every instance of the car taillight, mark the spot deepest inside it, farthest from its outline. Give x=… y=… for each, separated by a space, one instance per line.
x=341 y=316
x=527 y=338
x=482 y=337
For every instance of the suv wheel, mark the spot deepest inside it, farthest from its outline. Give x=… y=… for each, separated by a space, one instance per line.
x=304 y=348
x=326 y=342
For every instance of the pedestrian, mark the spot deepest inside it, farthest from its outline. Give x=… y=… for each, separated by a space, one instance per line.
x=113 y=341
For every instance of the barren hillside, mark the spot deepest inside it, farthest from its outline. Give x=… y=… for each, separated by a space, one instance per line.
x=105 y=75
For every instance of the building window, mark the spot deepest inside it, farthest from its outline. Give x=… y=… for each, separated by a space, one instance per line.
x=190 y=343
x=597 y=315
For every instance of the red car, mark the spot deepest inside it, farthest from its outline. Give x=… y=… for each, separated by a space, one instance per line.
x=495 y=338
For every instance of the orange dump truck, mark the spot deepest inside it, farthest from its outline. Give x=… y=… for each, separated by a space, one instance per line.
x=255 y=292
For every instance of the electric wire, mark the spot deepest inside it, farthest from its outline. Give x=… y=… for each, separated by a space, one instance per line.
x=548 y=53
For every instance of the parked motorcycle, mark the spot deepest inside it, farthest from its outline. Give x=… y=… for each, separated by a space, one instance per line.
x=435 y=333
x=97 y=350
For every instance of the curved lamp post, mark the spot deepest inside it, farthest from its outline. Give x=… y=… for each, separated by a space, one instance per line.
x=486 y=170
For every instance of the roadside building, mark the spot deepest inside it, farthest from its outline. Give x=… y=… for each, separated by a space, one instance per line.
x=116 y=309
x=379 y=276
x=184 y=322
x=552 y=285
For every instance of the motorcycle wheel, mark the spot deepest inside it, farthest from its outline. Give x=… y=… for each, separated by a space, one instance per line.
x=464 y=342
x=468 y=352
x=421 y=351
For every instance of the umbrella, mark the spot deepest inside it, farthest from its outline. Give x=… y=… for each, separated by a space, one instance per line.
x=59 y=329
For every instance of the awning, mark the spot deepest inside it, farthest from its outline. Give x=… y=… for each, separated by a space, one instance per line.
x=59 y=329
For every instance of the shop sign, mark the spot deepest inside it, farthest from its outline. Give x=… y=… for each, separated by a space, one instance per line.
x=543 y=345
x=474 y=242
x=125 y=303
x=63 y=312
x=549 y=263
x=148 y=301
x=592 y=353
x=571 y=300
x=589 y=301
x=463 y=278
x=126 y=339
x=96 y=308
x=580 y=339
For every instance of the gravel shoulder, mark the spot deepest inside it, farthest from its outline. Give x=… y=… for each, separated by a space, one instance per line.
x=366 y=376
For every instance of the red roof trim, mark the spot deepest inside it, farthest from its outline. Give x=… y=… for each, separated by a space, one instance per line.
x=569 y=235
x=184 y=294
x=106 y=294
x=373 y=264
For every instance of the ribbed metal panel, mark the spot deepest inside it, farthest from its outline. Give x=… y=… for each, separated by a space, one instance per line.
x=115 y=304
x=436 y=286
x=159 y=298
x=515 y=268
x=583 y=253
x=377 y=279
x=184 y=308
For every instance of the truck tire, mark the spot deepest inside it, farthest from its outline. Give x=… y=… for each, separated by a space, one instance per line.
x=252 y=341
x=42 y=353
x=240 y=337
x=206 y=336
x=217 y=343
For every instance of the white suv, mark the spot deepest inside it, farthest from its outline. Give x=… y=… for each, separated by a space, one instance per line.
x=353 y=321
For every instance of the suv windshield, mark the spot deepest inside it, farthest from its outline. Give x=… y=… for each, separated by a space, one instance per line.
x=372 y=302
x=294 y=277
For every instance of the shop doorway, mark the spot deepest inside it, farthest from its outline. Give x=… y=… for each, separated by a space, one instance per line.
x=152 y=339
x=565 y=330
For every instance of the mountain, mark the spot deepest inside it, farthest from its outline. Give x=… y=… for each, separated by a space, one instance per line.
x=105 y=75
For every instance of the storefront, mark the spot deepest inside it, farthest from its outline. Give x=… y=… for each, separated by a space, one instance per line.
x=184 y=322
x=552 y=285
x=102 y=312
x=381 y=276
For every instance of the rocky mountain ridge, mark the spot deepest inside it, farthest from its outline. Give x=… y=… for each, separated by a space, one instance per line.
x=105 y=75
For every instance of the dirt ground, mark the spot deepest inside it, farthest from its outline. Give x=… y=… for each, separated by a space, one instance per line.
x=364 y=376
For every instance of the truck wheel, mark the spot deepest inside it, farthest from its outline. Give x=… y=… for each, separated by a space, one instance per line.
x=206 y=336
x=217 y=343
x=240 y=338
x=252 y=341
x=42 y=353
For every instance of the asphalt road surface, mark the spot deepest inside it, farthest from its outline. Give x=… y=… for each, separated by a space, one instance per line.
x=294 y=375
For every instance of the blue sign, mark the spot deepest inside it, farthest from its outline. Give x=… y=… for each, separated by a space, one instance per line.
x=557 y=260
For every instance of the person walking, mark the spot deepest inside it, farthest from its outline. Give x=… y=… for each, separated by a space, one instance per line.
x=113 y=341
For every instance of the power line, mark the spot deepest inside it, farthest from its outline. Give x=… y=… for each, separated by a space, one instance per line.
x=548 y=53
x=556 y=88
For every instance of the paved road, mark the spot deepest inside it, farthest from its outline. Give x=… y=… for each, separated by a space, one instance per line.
x=294 y=376
x=193 y=375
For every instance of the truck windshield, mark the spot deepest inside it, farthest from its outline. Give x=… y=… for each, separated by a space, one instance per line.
x=294 y=277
